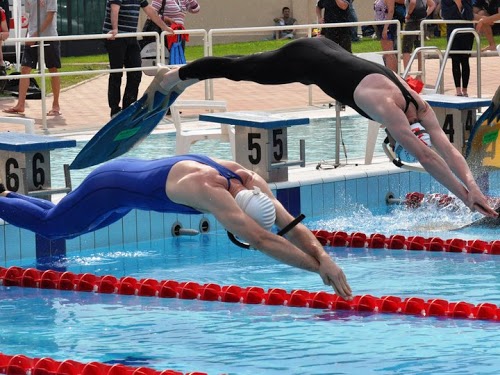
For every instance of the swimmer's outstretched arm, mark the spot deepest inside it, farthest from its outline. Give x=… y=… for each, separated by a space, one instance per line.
x=302 y=251
x=308 y=255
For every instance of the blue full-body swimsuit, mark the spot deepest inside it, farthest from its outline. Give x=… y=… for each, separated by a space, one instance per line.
x=107 y=194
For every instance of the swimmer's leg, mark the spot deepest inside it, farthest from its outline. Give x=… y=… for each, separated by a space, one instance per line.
x=42 y=203
x=297 y=61
x=23 y=213
x=113 y=217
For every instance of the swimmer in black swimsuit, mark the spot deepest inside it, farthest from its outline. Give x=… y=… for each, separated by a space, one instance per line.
x=374 y=91
x=190 y=184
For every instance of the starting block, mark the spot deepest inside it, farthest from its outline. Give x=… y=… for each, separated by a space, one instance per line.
x=261 y=141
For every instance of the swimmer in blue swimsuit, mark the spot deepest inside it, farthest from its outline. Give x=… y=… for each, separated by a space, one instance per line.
x=189 y=184
x=373 y=90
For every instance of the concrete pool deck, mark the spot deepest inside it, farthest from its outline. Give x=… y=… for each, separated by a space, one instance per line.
x=84 y=106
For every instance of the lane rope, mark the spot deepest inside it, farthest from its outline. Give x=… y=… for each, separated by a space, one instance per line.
x=401 y=242
x=22 y=365
x=50 y=279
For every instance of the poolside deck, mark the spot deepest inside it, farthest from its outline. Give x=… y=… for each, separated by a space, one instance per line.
x=84 y=106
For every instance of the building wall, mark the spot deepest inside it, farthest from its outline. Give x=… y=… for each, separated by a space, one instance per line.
x=241 y=13
x=87 y=17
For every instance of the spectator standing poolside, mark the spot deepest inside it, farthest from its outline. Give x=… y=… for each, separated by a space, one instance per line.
x=416 y=11
x=47 y=10
x=174 y=13
x=285 y=20
x=384 y=10
x=335 y=11
x=459 y=10
x=122 y=16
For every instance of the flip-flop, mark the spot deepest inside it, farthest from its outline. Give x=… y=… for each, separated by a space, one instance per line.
x=13 y=111
x=54 y=112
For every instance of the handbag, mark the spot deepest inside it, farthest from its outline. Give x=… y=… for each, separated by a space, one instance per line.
x=149 y=25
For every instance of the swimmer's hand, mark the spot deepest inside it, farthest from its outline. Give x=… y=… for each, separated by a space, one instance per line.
x=332 y=275
x=485 y=210
x=476 y=201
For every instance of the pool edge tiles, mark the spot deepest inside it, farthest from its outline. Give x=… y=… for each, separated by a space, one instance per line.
x=311 y=191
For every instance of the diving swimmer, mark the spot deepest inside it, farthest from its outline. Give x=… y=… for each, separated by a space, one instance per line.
x=373 y=90
x=238 y=198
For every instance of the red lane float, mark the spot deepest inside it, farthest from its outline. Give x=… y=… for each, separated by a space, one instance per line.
x=400 y=242
x=22 y=365
x=33 y=278
x=417 y=243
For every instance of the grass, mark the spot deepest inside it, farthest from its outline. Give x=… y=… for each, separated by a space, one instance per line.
x=96 y=62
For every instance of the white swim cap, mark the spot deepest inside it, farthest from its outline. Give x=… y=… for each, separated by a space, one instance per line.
x=258 y=206
x=421 y=134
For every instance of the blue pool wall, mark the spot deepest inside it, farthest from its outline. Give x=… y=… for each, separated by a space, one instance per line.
x=314 y=198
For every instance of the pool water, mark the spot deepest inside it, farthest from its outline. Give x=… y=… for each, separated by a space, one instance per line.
x=319 y=136
x=217 y=337
x=426 y=221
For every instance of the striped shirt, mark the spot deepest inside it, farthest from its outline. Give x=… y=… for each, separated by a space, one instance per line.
x=128 y=16
x=177 y=9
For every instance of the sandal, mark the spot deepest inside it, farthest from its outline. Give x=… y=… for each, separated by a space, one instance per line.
x=13 y=111
x=54 y=112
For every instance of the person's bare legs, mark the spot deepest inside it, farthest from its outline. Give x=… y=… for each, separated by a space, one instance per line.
x=23 y=90
x=488 y=34
x=487 y=31
x=56 y=90
x=390 y=60
x=406 y=59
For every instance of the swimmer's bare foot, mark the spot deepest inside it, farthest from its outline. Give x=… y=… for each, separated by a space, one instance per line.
x=3 y=190
x=170 y=79
x=157 y=86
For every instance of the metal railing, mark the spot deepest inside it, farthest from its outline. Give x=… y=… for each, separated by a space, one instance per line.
x=208 y=38
x=43 y=74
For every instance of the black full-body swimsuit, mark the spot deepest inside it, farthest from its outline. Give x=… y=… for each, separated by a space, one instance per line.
x=317 y=61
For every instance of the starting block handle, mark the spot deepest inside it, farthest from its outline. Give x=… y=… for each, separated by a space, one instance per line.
x=301 y=162
x=48 y=191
